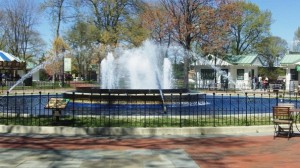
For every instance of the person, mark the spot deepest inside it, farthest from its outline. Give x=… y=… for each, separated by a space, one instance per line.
x=260 y=82
x=267 y=82
x=264 y=84
x=254 y=83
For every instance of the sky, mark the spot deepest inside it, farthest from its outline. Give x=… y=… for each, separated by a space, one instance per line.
x=285 y=16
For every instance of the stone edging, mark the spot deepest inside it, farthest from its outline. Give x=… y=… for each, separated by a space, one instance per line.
x=118 y=131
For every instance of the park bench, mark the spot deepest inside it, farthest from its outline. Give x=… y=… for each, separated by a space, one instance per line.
x=57 y=105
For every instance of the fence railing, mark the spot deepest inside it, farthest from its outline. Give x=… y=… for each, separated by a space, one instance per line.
x=126 y=110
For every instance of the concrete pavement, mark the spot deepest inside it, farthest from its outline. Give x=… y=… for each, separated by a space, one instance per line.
x=168 y=151
x=50 y=158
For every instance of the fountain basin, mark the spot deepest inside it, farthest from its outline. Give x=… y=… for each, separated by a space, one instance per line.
x=131 y=96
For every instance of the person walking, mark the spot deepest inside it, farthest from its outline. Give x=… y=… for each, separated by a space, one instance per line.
x=254 y=83
x=260 y=82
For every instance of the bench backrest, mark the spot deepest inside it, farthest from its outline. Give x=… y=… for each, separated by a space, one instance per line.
x=281 y=112
x=290 y=105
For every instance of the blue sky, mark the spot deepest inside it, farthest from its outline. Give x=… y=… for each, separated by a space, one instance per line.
x=285 y=15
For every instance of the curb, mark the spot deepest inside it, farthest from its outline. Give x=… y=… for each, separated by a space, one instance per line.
x=120 y=131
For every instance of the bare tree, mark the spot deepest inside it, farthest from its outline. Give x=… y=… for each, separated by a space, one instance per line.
x=19 y=21
x=191 y=21
x=59 y=11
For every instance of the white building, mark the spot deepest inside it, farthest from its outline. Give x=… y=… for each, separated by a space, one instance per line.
x=232 y=72
x=291 y=63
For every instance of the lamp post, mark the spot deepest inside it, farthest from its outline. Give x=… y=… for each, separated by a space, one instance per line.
x=63 y=67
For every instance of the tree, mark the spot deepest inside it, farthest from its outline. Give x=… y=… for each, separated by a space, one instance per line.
x=155 y=19
x=249 y=28
x=134 y=33
x=296 y=43
x=272 y=49
x=18 y=24
x=55 y=57
x=81 y=38
x=58 y=12
x=215 y=32
x=190 y=21
x=2 y=30
x=110 y=18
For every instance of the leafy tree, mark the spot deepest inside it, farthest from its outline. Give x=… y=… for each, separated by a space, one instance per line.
x=81 y=38
x=272 y=49
x=155 y=19
x=215 y=32
x=55 y=66
x=112 y=18
x=296 y=44
x=134 y=32
x=249 y=27
x=271 y=72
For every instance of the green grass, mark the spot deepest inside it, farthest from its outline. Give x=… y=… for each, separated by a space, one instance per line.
x=137 y=121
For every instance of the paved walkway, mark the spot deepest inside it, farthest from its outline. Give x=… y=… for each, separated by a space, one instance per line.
x=131 y=158
x=143 y=152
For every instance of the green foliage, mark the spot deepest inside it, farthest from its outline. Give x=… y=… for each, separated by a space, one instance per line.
x=271 y=72
x=134 y=32
x=112 y=19
x=271 y=48
x=250 y=27
x=81 y=39
x=43 y=75
x=297 y=37
x=178 y=71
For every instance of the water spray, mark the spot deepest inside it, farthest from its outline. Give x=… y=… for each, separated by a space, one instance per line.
x=34 y=70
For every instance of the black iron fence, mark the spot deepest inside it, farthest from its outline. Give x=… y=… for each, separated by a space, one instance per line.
x=141 y=110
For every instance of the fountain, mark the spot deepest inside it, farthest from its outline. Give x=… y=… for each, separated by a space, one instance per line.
x=138 y=68
x=134 y=75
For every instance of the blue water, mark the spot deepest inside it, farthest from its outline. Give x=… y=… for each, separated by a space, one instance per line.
x=207 y=105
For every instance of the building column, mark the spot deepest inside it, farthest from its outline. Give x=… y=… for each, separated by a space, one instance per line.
x=287 y=79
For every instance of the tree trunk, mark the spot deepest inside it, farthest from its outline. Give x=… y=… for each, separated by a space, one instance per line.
x=186 y=72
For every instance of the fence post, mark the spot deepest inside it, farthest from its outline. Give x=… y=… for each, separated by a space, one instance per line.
x=73 y=108
x=197 y=110
x=15 y=105
x=145 y=117
x=23 y=111
x=246 y=100
x=238 y=109
x=7 y=94
x=180 y=123
x=214 y=109
x=277 y=99
x=40 y=105
x=110 y=106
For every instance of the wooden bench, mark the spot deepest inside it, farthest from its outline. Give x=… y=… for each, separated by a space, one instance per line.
x=283 y=122
x=57 y=105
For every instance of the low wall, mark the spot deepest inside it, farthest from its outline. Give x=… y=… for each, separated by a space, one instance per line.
x=118 y=131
